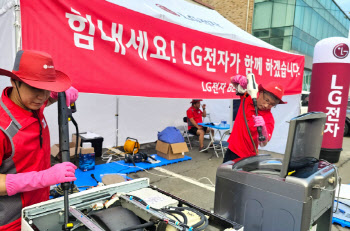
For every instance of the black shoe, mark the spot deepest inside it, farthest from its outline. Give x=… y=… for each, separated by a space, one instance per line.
x=203 y=150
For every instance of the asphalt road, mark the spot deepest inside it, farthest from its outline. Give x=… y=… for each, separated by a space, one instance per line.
x=193 y=180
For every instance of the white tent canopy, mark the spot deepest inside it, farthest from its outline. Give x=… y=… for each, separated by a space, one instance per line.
x=141 y=117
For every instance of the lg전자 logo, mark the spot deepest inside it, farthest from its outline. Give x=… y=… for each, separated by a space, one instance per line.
x=341 y=51
x=48 y=66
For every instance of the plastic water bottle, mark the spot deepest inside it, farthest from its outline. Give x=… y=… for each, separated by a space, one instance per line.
x=86 y=158
x=223 y=123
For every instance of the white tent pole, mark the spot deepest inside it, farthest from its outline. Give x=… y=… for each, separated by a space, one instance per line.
x=231 y=114
x=117 y=118
x=18 y=34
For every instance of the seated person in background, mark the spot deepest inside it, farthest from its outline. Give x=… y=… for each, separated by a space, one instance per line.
x=194 y=116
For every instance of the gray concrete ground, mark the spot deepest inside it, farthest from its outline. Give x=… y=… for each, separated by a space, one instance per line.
x=205 y=165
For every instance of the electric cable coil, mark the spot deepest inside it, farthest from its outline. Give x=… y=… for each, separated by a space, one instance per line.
x=131 y=145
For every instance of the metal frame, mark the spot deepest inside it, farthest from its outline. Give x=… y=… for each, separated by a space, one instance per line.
x=221 y=144
x=187 y=135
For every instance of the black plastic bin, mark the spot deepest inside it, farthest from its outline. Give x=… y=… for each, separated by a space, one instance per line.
x=96 y=143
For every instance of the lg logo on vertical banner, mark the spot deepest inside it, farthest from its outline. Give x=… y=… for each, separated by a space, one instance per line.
x=341 y=51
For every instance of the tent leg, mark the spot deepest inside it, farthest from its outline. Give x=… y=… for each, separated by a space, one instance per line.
x=231 y=115
x=117 y=118
x=18 y=34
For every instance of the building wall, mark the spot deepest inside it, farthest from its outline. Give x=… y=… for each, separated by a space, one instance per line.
x=235 y=11
x=297 y=25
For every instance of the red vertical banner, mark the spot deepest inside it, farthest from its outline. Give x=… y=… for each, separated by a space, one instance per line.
x=329 y=92
x=109 y=49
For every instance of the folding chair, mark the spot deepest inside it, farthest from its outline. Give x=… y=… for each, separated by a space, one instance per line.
x=221 y=145
x=186 y=134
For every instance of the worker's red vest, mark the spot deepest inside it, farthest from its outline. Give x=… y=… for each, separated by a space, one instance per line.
x=23 y=132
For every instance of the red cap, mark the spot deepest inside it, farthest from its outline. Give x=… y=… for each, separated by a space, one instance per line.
x=36 y=69
x=274 y=88
x=196 y=100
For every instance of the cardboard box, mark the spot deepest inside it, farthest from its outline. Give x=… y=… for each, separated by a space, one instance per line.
x=86 y=150
x=55 y=149
x=171 y=151
x=74 y=139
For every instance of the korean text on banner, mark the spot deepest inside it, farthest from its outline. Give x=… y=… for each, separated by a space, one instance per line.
x=108 y=49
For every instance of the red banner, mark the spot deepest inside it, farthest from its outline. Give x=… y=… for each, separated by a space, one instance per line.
x=108 y=49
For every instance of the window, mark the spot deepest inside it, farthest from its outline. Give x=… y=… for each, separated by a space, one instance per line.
x=314 y=21
x=262 y=33
x=307 y=19
x=262 y=15
x=299 y=15
x=296 y=44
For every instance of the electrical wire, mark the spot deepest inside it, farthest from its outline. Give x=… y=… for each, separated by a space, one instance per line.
x=178 y=219
x=246 y=124
x=110 y=156
x=76 y=140
x=338 y=182
x=171 y=211
x=202 y=224
x=115 y=157
x=137 y=199
x=131 y=166
x=166 y=211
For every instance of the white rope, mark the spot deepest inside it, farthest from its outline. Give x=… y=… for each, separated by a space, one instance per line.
x=8 y=5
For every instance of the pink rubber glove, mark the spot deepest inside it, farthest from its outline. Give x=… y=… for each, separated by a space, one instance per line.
x=260 y=122
x=241 y=80
x=29 y=181
x=71 y=95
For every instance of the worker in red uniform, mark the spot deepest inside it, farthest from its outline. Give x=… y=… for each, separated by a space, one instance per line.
x=25 y=170
x=240 y=144
x=194 y=116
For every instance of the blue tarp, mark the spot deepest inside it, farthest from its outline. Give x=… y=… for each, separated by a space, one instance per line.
x=171 y=135
x=85 y=179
